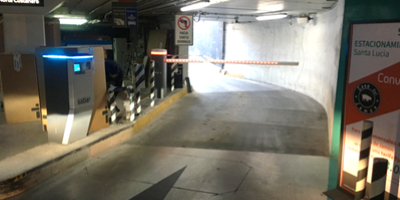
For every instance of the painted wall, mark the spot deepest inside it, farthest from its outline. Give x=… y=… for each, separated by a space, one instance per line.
x=183 y=53
x=23 y=33
x=357 y=12
x=315 y=45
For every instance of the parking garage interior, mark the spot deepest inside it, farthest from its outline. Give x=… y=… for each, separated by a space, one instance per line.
x=257 y=105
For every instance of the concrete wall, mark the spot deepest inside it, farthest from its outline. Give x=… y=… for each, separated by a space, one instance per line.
x=315 y=45
x=208 y=39
x=183 y=53
x=23 y=33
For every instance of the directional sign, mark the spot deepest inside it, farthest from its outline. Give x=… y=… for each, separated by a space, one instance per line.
x=131 y=18
x=119 y=16
x=183 y=30
x=125 y=15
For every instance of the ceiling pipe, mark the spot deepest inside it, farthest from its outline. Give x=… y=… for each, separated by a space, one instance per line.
x=148 y=3
x=228 y=14
x=100 y=6
x=73 y=7
x=160 y=7
x=57 y=7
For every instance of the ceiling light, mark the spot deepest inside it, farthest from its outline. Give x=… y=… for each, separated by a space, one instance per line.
x=74 y=21
x=68 y=57
x=195 y=6
x=271 y=17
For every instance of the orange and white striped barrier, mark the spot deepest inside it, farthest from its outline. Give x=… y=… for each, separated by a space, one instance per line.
x=231 y=62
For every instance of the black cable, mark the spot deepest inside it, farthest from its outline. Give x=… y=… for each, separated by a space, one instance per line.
x=199 y=14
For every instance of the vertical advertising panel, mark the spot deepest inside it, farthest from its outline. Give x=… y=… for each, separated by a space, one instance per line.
x=372 y=108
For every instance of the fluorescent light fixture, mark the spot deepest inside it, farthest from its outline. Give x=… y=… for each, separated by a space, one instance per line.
x=72 y=21
x=195 y=6
x=271 y=17
x=68 y=57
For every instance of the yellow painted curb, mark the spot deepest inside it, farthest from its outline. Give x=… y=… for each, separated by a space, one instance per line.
x=19 y=184
x=234 y=75
x=146 y=119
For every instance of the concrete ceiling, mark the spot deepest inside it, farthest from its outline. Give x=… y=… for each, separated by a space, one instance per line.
x=247 y=10
x=225 y=10
x=49 y=5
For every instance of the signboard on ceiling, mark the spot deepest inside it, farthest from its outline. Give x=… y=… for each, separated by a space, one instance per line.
x=39 y=3
x=131 y=18
x=183 y=30
x=372 y=99
x=125 y=15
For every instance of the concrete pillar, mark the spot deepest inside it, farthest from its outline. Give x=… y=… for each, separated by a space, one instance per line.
x=1 y=36
x=23 y=33
x=52 y=32
x=184 y=50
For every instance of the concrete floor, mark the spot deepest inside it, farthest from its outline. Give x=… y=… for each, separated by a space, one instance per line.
x=230 y=139
x=261 y=119
x=17 y=138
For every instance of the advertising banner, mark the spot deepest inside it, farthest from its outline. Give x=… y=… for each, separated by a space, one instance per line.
x=372 y=108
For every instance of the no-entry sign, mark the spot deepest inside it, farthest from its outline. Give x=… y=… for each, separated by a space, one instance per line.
x=183 y=30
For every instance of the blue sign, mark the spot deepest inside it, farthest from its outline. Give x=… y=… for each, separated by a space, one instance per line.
x=131 y=18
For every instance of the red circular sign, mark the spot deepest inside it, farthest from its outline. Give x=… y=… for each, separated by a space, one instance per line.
x=184 y=23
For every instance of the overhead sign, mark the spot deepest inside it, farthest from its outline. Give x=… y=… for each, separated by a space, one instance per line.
x=183 y=30
x=372 y=100
x=22 y=3
x=125 y=15
x=131 y=18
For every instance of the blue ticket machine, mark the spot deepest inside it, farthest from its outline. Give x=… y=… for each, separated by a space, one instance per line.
x=66 y=91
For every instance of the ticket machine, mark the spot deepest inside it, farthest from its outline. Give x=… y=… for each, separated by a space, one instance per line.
x=66 y=91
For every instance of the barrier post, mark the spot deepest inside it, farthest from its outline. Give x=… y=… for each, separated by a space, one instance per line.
x=189 y=87
x=132 y=103
x=173 y=72
x=112 y=105
x=139 y=79
x=152 y=84
x=365 y=148
x=378 y=181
